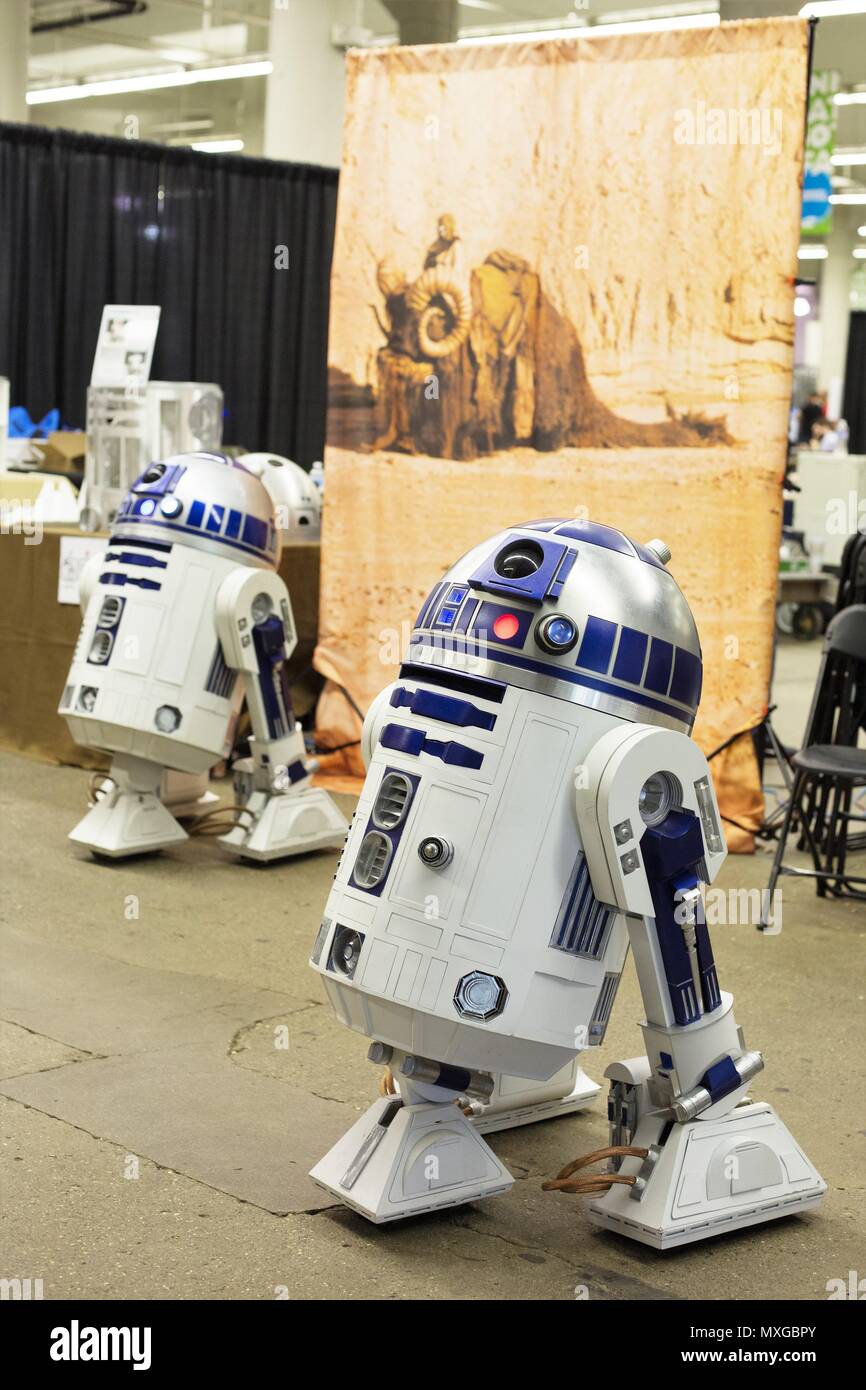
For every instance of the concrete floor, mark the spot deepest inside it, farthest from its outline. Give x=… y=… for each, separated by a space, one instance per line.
x=157 y=1134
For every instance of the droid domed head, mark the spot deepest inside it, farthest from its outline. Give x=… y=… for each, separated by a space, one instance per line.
x=297 y=501
x=207 y=501
x=572 y=609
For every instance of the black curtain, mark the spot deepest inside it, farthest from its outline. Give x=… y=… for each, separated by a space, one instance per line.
x=854 y=407
x=87 y=221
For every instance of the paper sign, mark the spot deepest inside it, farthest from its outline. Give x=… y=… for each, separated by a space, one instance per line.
x=75 y=551
x=124 y=350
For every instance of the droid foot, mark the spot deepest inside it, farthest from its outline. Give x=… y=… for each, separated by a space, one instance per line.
x=403 y=1160
x=278 y=826
x=123 y=823
x=516 y=1101
x=706 y=1177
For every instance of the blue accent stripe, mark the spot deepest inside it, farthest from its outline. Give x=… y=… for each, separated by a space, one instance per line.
x=595 y=534
x=195 y=515
x=467 y=613
x=414 y=742
x=216 y=517
x=194 y=531
x=427 y=605
x=596 y=648
x=560 y=673
x=233 y=525
x=131 y=557
x=658 y=668
x=121 y=579
x=429 y=704
x=630 y=655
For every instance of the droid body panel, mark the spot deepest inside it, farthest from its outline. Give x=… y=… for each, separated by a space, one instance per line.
x=297 y=501
x=184 y=617
x=533 y=801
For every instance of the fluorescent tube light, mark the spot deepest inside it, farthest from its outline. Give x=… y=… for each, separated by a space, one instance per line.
x=707 y=20
x=217 y=146
x=152 y=82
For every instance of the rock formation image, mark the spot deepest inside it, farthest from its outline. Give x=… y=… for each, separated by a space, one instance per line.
x=505 y=367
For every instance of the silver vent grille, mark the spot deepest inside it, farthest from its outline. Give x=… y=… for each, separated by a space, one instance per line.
x=100 y=647
x=110 y=611
x=372 y=862
x=598 y=1022
x=583 y=923
x=392 y=800
x=67 y=697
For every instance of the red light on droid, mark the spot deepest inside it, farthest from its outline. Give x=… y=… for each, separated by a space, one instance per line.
x=506 y=626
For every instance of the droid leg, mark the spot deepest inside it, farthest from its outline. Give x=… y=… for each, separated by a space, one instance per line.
x=417 y=1151
x=284 y=813
x=713 y=1160
x=129 y=817
x=515 y=1101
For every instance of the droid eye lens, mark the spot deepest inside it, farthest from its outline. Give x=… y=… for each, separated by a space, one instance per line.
x=556 y=634
x=154 y=473
x=519 y=559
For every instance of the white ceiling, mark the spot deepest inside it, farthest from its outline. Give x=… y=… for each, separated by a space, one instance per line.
x=172 y=32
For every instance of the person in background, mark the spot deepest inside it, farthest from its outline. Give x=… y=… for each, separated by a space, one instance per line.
x=811 y=412
x=824 y=437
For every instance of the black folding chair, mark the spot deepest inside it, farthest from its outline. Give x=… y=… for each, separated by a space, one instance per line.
x=830 y=767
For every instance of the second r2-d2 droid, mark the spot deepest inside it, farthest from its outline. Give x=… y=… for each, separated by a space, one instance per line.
x=534 y=804
x=185 y=617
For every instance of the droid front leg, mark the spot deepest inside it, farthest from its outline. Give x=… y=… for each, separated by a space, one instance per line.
x=282 y=812
x=703 y=1158
x=415 y=1151
x=128 y=815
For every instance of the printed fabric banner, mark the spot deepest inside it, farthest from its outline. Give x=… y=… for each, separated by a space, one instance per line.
x=563 y=287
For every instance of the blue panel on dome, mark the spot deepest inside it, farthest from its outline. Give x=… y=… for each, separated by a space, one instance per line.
x=597 y=646
x=255 y=532
x=488 y=614
x=595 y=534
x=658 y=670
x=688 y=676
x=630 y=655
x=533 y=586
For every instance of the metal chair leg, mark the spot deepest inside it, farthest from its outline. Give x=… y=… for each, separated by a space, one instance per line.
x=793 y=805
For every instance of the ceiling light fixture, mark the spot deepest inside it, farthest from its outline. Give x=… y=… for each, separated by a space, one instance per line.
x=152 y=82
x=706 y=19
x=217 y=146
x=848 y=199
x=829 y=9
x=844 y=157
x=812 y=253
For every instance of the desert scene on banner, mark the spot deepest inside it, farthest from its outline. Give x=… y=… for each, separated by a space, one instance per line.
x=475 y=359
x=552 y=295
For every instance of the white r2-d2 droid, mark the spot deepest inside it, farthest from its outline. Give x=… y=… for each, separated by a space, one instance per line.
x=534 y=804
x=297 y=501
x=184 y=617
